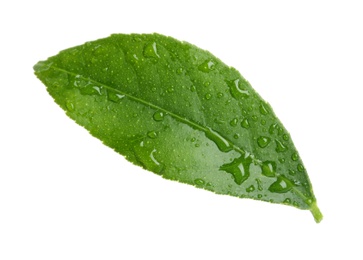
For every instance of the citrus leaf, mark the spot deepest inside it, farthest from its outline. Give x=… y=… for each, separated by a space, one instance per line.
x=180 y=112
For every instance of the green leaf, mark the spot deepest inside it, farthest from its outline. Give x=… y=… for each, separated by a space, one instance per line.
x=180 y=112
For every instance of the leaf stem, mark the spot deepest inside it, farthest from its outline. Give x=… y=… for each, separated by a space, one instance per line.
x=318 y=216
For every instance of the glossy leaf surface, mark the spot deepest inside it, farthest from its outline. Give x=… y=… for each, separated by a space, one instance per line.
x=178 y=111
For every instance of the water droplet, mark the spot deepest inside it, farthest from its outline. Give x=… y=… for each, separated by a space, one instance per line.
x=294 y=156
x=263 y=109
x=151 y=51
x=263 y=141
x=199 y=182
x=153 y=158
x=193 y=139
x=193 y=88
x=87 y=88
x=233 y=122
x=281 y=185
x=206 y=84
x=254 y=118
x=280 y=147
x=69 y=106
x=113 y=96
x=208 y=96
x=309 y=201
x=287 y=201
x=300 y=167
x=245 y=123
x=207 y=66
x=259 y=196
x=296 y=204
x=152 y=134
x=250 y=188
x=223 y=144
x=235 y=136
x=263 y=122
x=282 y=160
x=220 y=94
x=158 y=116
x=237 y=91
x=292 y=173
x=239 y=168
x=285 y=137
x=269 y=168
x=170 y=89
x=275 y=127
x=179 y=71
x=259 y=184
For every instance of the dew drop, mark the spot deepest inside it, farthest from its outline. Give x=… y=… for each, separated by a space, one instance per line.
x=199 y=182
x=280 y=147
x=285 y=137
x=281 y=185
x=152 y=134
x=263 y=109
x=236 y=90
x=151 y=51
x=250 y=188
x=254 y=118
x=239 y=168
x=263 y=122
x=207 y=66
x=287 y=201
x=220 y=94
x=179 y=71
x=158 y=116
x=193 y=139
x=235 y=136
x=208 y=96
x=193 y=88
x=294 y=156
x=259 y=184
x=263 y=141
x=69 y=106
x=300 y=167
x=223 y=144
x=245 y=123
x=282 y=160
x=259 y=196
x=206 y=84
x=292 y=173
x=233 y=122
x=269 y=168
x=114 y=97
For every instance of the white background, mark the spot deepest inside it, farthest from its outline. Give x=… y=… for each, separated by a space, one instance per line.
x=63 y=195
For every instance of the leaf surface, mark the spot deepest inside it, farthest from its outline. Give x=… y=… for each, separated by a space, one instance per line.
x=180 y=112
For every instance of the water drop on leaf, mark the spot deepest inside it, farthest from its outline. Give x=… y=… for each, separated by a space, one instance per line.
x=263 y=141
x=152 y=134
x=223 y=144
x=236 y=90
x=158 y=116
x=269 y=168
x=151 y=51
x=239 y=168
x=280 y=147
x=281 y=185
x=245 y=123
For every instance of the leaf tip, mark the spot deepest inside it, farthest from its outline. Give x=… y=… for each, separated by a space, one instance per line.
x=41 y=66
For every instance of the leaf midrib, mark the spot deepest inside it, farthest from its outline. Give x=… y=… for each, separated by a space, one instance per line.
x=176 y=116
